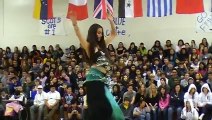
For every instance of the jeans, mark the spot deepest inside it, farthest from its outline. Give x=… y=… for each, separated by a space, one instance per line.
x=154 y=114
x=171 y=111
x=164 y=114
x=36 y=109
x=143 y=117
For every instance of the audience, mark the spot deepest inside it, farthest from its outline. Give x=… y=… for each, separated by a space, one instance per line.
x=144 y=81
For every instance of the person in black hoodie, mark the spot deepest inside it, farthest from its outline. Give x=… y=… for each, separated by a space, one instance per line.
x=116 y=92
x=176 y=102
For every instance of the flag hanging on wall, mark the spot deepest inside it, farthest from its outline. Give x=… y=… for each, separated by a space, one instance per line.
x=189 y=6
x=159 y=8
x=101 y=7
x=80 y=7
x=130 y=8
x=43 y=9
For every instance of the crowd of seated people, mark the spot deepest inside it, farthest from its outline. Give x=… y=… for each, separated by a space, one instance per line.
x=164 y=82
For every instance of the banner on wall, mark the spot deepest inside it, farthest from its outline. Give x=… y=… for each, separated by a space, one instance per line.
x=51 y=27
x=204 y=22
x=120 y=26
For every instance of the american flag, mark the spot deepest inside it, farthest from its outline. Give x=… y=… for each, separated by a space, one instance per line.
x=101 y=7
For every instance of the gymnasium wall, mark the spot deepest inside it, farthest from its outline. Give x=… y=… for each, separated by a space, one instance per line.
x=19 y=28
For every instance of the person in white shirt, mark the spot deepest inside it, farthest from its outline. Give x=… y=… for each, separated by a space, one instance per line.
x=38 y=104
x=189 y=112
x=192 y=95
x=205 y=100
x=195 y=64
x=51 y=103
x=163 y=75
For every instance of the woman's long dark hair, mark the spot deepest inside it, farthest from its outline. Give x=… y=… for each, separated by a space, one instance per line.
x=92 y=39
x=118 y=88
x=175 y=87
x=160 y=94
x=99 y=107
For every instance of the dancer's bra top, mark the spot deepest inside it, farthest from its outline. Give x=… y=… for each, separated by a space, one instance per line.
x=101 y=59
x=94 y=73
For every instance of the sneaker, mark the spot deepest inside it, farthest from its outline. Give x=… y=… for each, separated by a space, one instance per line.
x=201 y=116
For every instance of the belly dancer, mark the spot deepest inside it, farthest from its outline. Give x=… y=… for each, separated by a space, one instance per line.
x=100 y=103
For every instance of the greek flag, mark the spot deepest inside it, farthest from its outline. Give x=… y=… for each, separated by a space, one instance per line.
x=159 y=8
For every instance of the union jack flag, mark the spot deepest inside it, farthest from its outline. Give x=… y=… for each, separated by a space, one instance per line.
x=101 y=7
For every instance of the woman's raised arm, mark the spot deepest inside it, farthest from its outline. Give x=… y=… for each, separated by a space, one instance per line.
x=113 y=30
x=82 y=40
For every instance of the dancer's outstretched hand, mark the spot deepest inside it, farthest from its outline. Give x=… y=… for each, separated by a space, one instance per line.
x=73 y=17
x=109 y=16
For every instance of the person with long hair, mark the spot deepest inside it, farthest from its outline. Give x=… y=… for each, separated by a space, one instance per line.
x=179 y=45
x=204 y=42
x=192 y=95
x=111 y=49
x=205 y=100
x=152 y=100
x=193 y=55
x=132 y=48
x=189 y=112
x=156 y=48
x=193 y=44
x=164 y=101
x=176 y=102
x=141 y=94
x=120 y=50
x=116 y=92
x=100 y=101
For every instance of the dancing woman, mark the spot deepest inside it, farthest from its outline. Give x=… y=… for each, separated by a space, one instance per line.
x=100 y=102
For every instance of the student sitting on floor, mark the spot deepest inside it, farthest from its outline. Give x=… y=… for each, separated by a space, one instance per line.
x=142 y=112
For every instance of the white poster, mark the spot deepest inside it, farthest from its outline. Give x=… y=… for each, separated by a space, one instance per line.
x=52 y=27
x=204 y=22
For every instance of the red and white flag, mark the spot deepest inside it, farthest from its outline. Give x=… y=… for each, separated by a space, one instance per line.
x=130 y=8
x=79 y=7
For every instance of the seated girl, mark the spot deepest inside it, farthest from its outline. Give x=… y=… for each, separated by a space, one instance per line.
x=189 y=112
